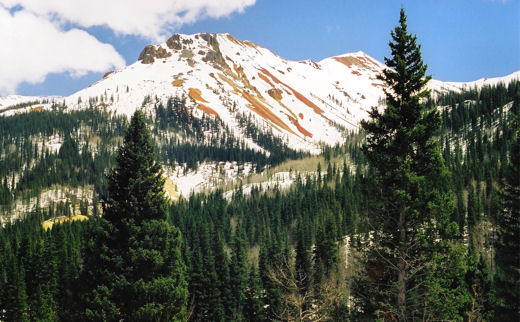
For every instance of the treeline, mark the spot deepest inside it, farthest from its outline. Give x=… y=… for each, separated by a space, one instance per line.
x=26 y=104
x=270 y=237
x=475 y=106
x=88 y=140
x=480 y=145
x=213 y=140
x=220 y=239
x=476 y=146
x=233 y=250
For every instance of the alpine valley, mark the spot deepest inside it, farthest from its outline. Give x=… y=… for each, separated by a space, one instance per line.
x=213 y=180
x=229 y=108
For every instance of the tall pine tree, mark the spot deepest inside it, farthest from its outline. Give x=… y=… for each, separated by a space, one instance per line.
x=410 y=215
x=507 y=280
x=134 y=258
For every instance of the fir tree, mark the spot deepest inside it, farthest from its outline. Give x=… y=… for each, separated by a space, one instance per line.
x=326 y=250
x=135 y=257
x=16 y=298
x=411 y=215
x=508 y=243
x=239 y=273
x=254 y=309
x=224 y=286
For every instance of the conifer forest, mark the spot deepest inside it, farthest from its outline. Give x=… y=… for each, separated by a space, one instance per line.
x=415 y=217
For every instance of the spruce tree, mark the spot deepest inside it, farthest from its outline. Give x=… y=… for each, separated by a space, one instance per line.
x=254 y=308
x=239 y=273
x=507 y=280
x=326 y=257
x=15 y=306
x=223 y=278
x=411 y=214
x=134 y=257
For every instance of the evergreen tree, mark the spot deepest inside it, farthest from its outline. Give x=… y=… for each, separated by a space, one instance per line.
x=508 y=243
x=326 y=250
x=134 y=258
x=411 y=216
x=239 y=273
x=16 y=297
x=254 y=309
x=271 y=258
x=224 y=305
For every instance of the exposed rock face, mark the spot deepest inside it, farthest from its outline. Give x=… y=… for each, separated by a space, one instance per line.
x=186 y=53
x=177 y=43
x=107 y=73
x=213 y=55
x=146 y=56
x=174 y=42
x=187 y=41
x=150 y=52
x=210 y=39
x=275 y=93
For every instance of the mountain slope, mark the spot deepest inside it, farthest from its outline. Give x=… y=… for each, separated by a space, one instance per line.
x=243 y=107
x=305 y=103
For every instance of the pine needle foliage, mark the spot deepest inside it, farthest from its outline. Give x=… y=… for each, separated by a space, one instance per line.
x=410 y=213
x=134 y=257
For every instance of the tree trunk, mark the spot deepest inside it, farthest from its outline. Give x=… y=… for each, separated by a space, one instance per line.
x=401 y=265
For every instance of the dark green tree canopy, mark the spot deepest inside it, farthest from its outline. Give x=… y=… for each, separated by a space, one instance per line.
x=411 y=215
x=507 y=255
x=135 y=259
x=407 y=74
x=403 y=135
x=136 y=184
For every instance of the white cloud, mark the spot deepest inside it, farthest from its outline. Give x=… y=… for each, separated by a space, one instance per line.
x=34 y=42
x=31 y=47
x=152 y=19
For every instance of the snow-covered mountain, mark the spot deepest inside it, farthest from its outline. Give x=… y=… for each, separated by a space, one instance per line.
x=303 y=102
x=306 y=103
x=441 y=87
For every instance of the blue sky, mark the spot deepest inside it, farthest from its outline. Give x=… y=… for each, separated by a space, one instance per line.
x=462 y=40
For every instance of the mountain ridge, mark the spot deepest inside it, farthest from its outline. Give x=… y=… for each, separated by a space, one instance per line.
x=306 y=103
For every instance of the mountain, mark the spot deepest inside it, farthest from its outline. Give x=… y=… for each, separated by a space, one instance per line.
x=232 y=111
x=305 y=103
x=442 y=87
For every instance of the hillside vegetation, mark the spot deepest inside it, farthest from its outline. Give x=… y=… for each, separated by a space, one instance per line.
x=414 y=217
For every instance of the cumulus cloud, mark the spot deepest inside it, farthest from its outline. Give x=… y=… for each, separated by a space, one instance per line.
x=32 y=47
x=35 y=38
x=152 y=19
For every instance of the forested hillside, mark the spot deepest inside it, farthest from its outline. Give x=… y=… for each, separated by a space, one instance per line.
x=270 y=254
x=413 y=217
x=61 y=155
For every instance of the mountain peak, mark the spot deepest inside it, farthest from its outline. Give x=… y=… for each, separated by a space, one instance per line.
x=357 y=53
x=305 y=103
x=186 y=43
